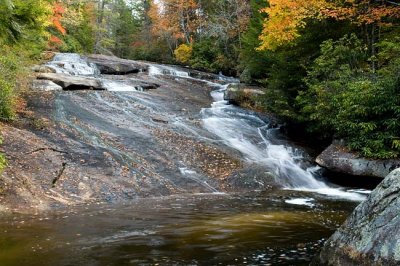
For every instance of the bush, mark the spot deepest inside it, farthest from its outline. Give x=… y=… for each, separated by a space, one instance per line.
x=347 y=99
x=183 y=53
x=9 y=70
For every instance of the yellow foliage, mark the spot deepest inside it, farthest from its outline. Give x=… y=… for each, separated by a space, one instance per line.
x=183 y=53
x=286 y=17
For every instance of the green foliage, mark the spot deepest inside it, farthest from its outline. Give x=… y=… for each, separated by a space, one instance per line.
x=287 y=67
x=23 y=19
x=253 y=63
x=204 y=54
x=346 y=99
x=210 y=55
x=9 y=70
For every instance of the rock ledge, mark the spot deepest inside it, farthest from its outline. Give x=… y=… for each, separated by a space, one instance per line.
x=338 y=159
x=370 y=236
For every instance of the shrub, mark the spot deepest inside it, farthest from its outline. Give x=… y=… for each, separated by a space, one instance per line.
x=183 y=53
x=9 y=70
x=347 y=99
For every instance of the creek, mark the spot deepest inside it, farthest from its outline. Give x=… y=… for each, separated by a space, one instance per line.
x=279 y=209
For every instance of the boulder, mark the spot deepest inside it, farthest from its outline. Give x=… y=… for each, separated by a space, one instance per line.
x=45 y=85
x=339 y=159
x=43 y=69
x=238 y=94
x=116 y=66
x=68 y=82
x=371 y=235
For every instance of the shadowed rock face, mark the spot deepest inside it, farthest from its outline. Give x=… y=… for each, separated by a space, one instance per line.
x=116 y=66
x=236 y=94
x=337 y=158
x=370 y=236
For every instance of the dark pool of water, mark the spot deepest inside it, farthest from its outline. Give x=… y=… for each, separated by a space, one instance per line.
x=181 y=230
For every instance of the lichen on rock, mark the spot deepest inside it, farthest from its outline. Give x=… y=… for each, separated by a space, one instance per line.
x=370 y=236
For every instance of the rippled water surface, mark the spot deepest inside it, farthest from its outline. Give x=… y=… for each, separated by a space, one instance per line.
x=208 y=229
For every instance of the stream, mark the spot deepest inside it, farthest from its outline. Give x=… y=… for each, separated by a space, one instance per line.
x=285 y=223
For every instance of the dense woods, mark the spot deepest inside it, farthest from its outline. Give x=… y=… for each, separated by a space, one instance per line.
x=331 y=67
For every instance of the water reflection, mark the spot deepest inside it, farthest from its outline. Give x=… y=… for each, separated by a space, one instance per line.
x=185 y=230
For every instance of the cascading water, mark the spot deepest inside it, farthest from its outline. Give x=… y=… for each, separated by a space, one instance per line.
x=76 y=65
x=73 y=64
x=259 y=144
x=237 y=128
x=167 y=70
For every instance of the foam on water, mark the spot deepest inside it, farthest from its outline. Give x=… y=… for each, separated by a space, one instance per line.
x=113 y=85
x=167 y=70
x=73 y=64
x=301 y=201
x=258 y=144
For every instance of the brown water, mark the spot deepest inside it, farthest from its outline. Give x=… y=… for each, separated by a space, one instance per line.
x=206 y=229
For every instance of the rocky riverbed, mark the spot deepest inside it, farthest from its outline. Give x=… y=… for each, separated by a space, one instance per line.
x=148 y=163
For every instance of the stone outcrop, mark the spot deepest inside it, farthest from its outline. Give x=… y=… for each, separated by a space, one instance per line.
x=58 y=81
x=69 y=82
x=45 y=85
x=370 y=236
x=116 y=66
x=338 y=159
x=43 y=69
x=238 y=94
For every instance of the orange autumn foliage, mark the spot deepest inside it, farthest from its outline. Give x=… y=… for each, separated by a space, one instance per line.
x=58 y=11
x=177 y=18
x=286 y=17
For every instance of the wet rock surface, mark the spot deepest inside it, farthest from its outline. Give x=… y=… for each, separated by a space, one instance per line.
x=153 y=133
x=45 y=85
x=79 y=147
x=337 y=158
x=370 y=234
x=69 y=82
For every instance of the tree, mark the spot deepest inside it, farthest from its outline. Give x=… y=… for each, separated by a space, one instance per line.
x=174 y=20
x=345 y=99
x=286 y=17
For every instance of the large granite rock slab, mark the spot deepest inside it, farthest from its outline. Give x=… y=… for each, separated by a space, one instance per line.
x=337 y=158
x=112 y=65
x=45 y=85
x=371 y=235
x=69 y=82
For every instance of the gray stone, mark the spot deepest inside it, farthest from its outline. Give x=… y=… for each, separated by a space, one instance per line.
x=68 y=82
x=45 y=85
x=43 y=69
x=237 y=93
x=371 y=235
x=116 y=66
x=337 y=158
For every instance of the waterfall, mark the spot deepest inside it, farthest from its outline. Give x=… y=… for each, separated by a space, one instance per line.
x=260 y=144
x=73 y=64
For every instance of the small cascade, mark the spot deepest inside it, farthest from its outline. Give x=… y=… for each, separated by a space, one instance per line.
x=260 y=144
x=155 y=70
x=113 y=85
x=73 y=64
